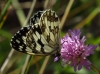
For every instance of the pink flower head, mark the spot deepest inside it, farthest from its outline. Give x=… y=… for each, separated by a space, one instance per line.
x=74 y=52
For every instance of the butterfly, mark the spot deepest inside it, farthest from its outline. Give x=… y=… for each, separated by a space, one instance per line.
x=41 y=36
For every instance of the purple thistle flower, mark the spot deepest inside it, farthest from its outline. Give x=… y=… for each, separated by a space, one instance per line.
x=74 y=52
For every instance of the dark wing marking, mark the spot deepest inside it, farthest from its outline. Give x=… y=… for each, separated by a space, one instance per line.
x=18 y=40
x=35 y=18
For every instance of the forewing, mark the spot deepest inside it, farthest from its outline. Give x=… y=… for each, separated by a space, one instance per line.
x=49 y=23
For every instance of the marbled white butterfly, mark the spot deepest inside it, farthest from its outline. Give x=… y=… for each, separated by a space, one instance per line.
x=41 y=37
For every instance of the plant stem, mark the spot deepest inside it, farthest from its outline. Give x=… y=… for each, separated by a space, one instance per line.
x=94 y=68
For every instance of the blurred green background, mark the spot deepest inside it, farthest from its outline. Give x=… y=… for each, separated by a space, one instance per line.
x=84 y=14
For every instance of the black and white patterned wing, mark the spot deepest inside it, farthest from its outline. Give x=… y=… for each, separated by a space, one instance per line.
x=40 y=37
x=35 y=18
x=43 y=37
x=49 y=23
x=18 y=41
